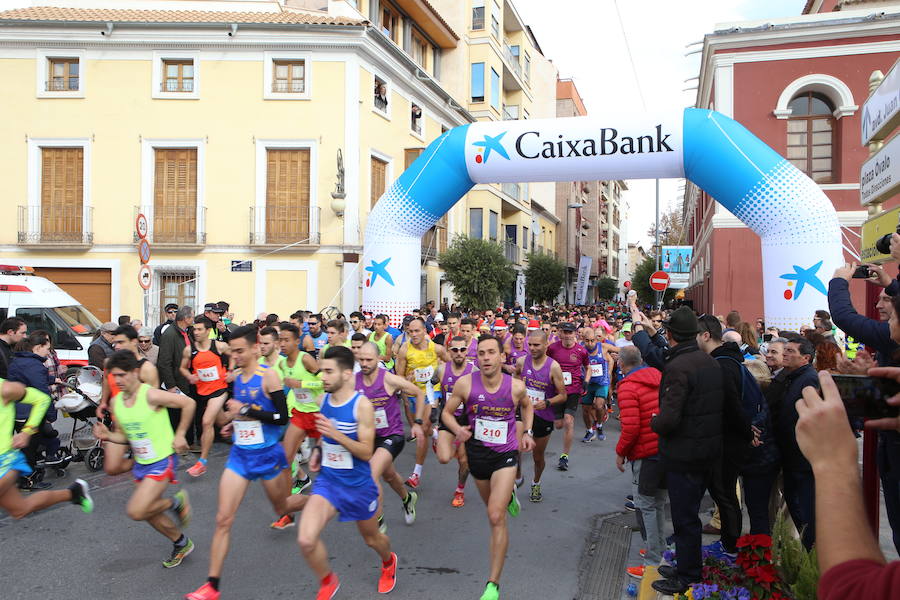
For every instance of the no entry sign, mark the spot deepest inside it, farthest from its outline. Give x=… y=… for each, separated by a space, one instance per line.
x=659 y=281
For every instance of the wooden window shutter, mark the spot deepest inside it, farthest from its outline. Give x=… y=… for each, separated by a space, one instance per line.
x=62 y=193
x=287 y=195
x=379 y=176
x=410 y=155
x=175 y=196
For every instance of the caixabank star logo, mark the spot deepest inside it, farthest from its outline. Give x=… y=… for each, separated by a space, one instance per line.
x=489 y=145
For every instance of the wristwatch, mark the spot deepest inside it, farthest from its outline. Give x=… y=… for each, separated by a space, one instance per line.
x=418 y=421
x=529 y=433
x=243 y=410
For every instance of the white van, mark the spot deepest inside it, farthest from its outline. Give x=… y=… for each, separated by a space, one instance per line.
x=43 y=305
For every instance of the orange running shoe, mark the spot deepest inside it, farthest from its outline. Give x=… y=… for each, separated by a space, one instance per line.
x=283 y=523
x=329 y=588
x=388 y=578
x=204 y=592
x=413 y=481
x=459 y=499
x=636 y=572
x=197 y=470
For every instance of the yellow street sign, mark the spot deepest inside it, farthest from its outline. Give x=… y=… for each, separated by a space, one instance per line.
x=873 y=230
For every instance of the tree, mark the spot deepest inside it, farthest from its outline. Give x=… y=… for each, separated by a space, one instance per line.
x=641 y=282
x=544 y=277
x=478 y=271
x=671 y=228
x=607 y=288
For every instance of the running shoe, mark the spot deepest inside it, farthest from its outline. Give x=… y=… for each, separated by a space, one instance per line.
x=388 y=578
x=178 y=554
x=642 y=552
x=329 y=588
x=636 y=572
x=600 y=435
x=197 y=470
x=459 y=499
x=629 y=505
x=491 y=591
x=588 y=437
x=409 y=508
x=513 y=508
x=382 y=526
x=181 y=504
x=413 y=481
x=563 y=462
x=81 y=495
x=519 y=481
x=301 y=485
x=630 y=497
x=536 y=493
x=204 y=592
x=283 y=523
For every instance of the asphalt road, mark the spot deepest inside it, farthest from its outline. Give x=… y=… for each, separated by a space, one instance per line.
x=62 y=553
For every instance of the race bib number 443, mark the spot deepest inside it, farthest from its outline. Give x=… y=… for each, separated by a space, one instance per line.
x=491 y=432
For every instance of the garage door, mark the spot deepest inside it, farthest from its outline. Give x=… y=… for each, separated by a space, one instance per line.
x=91 y=287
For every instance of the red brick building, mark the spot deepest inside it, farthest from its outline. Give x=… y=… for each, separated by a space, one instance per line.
x=798 y=84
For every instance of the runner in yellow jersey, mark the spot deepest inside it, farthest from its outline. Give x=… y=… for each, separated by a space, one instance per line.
x=417 y=360
x=13 y=463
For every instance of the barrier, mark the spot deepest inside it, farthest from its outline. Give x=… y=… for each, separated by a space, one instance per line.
x=796 y=223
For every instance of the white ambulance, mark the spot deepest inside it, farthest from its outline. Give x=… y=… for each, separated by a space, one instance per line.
x=43 y=305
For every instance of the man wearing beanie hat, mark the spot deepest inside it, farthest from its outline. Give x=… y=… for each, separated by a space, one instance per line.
x=689 y=425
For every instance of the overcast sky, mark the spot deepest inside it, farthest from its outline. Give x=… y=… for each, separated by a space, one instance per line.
x=585 y=42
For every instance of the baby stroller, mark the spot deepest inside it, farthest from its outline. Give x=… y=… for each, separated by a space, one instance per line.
x=80 y=403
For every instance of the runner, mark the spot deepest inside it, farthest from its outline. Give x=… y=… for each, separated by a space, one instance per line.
x=490 y=399
x=542 y=375
x=299 y=372
x=593 y=403
x=269 y=348
x=383 y=340
x=467 y=330
x=315 y=340
x=573 y=359
x=142 y=423
x=336 y=330
x=256 y=415
x=447 y=446
x=514 y=349
x=13 y=464
x=203 y=364
x=381 y=388
x=125 y=338
x=358 y=323
x=344 y=487
x=417 y=360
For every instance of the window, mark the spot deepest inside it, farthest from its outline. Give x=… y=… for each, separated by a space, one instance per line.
x=492 y=225
x=415 y=118
x=476 y=223
x=477 y=15
x=810 y=136
x=477 y=82
x=524 y=238
x=495 y=89
x=287 y=195
x=179 y=287
x=381 y=95
x=63 y=76
x=410 y=155
x=178 y=76
x=495 y=20
x=526 y=69
x=62 y=194
x=514 y=53
x=175 y=196
x=390 y=23
x=289 y=76
x=510 y=112
x=420 y=49
x=379 y=179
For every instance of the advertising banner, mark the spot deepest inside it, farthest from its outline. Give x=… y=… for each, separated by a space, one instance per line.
x=581 y=283
x=676 y=261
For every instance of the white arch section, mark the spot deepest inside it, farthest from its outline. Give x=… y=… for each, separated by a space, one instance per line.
x=836 y=90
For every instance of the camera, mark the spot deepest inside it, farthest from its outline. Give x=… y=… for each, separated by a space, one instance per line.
x=883 y=244
x=862 y=272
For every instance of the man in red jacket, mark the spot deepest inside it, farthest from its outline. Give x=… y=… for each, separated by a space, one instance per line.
x=638 y=394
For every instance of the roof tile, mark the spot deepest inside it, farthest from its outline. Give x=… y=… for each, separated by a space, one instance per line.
x=52 y=13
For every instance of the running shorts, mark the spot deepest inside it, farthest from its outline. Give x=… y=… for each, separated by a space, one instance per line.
x=201 y=398
x=569 y=407
x=358 y=503
x=14 y=460
x=541 y=427
x=392 y=443
x=462 y=420
x=160 y=470
x=305 y=421
x=484 y=462
x=594 y=390
x=259 y=463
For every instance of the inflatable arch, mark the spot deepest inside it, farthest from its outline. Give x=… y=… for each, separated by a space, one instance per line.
x=796 y=223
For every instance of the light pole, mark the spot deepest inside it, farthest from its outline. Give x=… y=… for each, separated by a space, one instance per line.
x=569 y=236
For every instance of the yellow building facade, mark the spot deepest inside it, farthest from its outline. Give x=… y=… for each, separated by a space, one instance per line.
x=253 y=136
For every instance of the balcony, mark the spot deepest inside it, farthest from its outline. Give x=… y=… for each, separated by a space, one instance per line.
x=512 y=252
x=513 y=78
x=293 y=226
x=513 y=190
x=510 y=112
x=174 y=226
x=57 y=226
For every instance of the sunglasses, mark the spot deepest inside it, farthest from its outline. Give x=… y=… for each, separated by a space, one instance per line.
x=144 y=341
x=171 y=312
x=354 y=322
x=457 y=349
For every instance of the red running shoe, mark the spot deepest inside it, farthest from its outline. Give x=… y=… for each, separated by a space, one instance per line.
x=204 y=592
x=413 y=481
x=388 y=578
x=329 y=588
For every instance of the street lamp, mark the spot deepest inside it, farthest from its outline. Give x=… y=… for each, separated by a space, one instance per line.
x=568 y=236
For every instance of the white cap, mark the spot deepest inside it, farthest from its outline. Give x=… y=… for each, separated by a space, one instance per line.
x=439 y=317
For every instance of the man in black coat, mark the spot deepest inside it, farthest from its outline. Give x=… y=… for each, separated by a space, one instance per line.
x=168 y=362
x=171 y=309
x=689 y=425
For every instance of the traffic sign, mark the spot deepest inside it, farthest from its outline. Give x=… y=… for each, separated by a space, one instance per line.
x=141 y=225
x=144 y=251
x=659 y=281
x=145 y=276
x=879 y=178
x=627 y=284
x=881 y=112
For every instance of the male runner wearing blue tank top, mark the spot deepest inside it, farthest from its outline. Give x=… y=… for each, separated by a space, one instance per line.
x=344 y=487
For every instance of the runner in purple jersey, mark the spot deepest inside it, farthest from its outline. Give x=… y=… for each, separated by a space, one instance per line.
x=514 y=348
x=381 y=387
x=490 y=399
x=447 y=446
x=573 y=358
x=467 y=328
x=542 y=377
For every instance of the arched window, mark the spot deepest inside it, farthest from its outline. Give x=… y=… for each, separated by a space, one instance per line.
x=810 y=135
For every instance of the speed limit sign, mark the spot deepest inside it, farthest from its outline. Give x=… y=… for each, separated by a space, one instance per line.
x=145 y=276
x=141 y=226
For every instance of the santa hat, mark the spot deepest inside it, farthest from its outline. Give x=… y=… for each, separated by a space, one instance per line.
x=499 y=324
x=533 y=325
